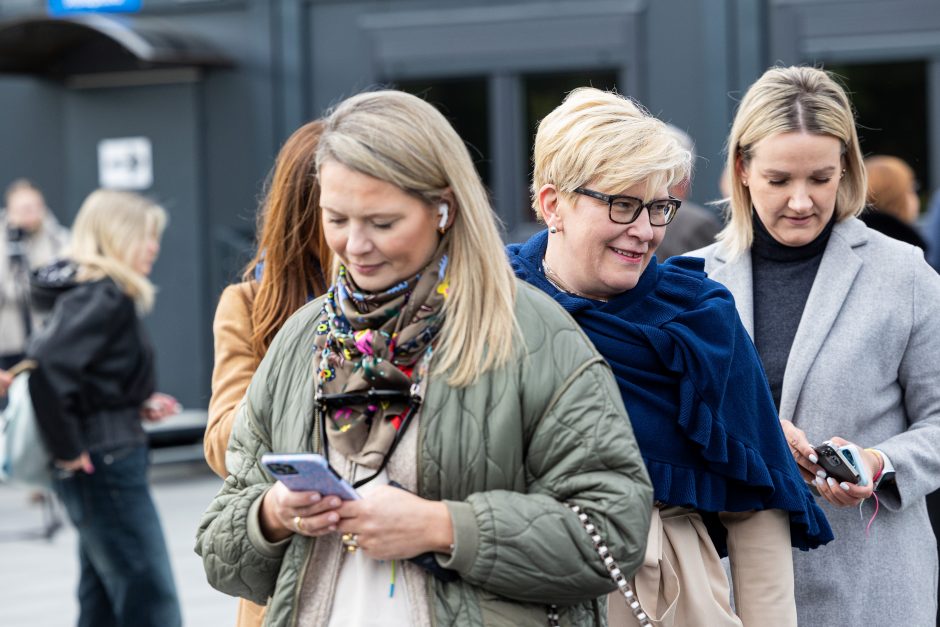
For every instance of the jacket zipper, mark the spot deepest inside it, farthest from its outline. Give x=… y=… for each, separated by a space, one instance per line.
x=310 y=542
x=432 y=615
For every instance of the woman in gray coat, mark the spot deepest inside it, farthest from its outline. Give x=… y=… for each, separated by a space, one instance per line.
x=847 y=324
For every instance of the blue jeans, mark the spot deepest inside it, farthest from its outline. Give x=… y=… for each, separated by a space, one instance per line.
x=126 y=578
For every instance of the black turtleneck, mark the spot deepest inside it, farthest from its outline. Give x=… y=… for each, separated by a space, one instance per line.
x=783 y=276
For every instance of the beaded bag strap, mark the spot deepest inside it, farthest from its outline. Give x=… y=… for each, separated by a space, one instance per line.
x=612 y=569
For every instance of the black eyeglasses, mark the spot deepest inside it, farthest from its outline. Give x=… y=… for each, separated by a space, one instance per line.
x=626 y=209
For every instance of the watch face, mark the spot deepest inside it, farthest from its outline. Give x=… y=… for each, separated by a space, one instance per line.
x=887 y=476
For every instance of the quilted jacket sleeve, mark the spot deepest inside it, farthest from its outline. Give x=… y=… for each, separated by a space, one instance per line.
x=237 y=560
x=531 y=547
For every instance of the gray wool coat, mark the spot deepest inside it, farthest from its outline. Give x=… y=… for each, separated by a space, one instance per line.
x=865 y=366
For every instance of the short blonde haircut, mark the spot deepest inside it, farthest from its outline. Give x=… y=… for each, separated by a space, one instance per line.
x=788 y=100
x=109 y=230
x=401 y=139
x=609 y=141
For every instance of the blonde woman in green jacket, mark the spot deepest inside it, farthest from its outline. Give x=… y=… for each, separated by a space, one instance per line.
x=498 y=414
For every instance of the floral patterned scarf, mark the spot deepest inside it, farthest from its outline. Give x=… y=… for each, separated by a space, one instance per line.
x=375 y=341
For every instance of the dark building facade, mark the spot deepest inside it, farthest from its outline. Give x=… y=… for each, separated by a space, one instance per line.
x=217 y=85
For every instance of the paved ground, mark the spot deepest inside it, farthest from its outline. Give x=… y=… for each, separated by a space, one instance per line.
x=38 y=577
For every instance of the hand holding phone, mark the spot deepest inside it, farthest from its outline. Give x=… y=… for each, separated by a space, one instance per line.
x=843 y=463
x=159 y=406
x=307 y=472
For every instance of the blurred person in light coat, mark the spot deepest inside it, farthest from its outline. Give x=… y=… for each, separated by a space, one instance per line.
x=30 y=237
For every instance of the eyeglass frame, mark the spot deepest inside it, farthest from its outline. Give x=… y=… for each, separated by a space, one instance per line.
x=610 y=199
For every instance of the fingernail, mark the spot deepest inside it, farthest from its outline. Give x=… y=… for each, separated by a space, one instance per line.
x=821 y=474
x=844 y=486
x=812 y=457
x=315 y=498
x=831 y=482
x=333 y=517
x=332 y=527
x=818 y=482
x=335 y=503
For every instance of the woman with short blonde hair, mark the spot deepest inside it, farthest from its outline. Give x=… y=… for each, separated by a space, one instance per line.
x=456 y=512
x=847 y=325
x=93 y=384
x=689 y=377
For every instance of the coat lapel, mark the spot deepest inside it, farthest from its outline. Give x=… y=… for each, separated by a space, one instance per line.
x=837 y=271
x=736 y=276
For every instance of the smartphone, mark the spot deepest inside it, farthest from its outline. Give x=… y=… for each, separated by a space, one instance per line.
x=836 y=464
x=305 y=472
x=854 y=456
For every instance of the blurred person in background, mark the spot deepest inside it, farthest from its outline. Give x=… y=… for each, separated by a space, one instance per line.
x=424 y=309
x=847 y=324
x=693 y=226
x=93 y=385
x=893 y=206
x=288 y=270
x=930 y=230
x=723 y=479
x=30 y=237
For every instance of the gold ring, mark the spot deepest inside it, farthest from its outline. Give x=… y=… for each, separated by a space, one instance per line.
x=351 y=542
x=299 y=524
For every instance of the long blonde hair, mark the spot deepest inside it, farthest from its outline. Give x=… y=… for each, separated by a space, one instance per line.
x=109 y=230
x=401 y=139
x=786 y=100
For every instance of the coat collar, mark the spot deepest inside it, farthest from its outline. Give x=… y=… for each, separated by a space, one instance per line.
x=839 y=266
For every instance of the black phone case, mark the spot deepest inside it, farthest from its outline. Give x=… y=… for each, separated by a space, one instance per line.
x=834 y=465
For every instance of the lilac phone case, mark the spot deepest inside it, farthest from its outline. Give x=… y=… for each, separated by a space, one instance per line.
x=304 y=472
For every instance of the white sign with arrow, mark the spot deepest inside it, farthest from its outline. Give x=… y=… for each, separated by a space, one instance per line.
x=125 y=163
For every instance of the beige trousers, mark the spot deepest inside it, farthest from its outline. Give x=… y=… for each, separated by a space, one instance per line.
x=682 y=583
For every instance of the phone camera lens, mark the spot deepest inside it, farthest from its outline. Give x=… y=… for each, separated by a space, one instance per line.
x=284 y=469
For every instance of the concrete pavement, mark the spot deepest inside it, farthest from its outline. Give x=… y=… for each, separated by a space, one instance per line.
x=38 y=578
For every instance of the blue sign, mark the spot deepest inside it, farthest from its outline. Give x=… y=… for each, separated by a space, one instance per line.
x=68 y=7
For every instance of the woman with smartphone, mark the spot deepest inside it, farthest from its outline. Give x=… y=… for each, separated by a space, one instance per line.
x=691 y=381
x=288 y=270
x=467 y=408
x=92 y=386
x=847 y=324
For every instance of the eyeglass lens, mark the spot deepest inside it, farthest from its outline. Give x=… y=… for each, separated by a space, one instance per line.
x=626 y=210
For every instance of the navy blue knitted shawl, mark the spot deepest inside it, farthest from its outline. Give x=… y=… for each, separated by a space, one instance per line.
x=695 y=392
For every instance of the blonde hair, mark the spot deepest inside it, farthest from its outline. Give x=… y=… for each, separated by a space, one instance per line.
x=108 y=232
x=401 y=139
x=787 y=100
x=607 y=140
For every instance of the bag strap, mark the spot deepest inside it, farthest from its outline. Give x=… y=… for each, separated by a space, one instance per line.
x=612 y=569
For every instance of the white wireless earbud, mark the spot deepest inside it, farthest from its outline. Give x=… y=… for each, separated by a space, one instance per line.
x=443 y=210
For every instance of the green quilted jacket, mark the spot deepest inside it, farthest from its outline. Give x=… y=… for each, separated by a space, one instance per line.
x=504 y=454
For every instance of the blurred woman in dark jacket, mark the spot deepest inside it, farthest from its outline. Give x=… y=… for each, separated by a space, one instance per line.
x=93 y=385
